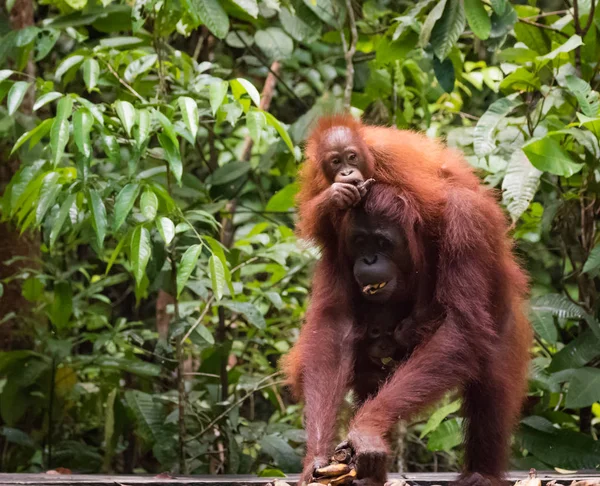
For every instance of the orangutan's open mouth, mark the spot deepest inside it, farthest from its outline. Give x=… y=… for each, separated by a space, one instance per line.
x=372 y=289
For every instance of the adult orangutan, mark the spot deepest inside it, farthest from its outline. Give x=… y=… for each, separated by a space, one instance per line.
x=417 y=293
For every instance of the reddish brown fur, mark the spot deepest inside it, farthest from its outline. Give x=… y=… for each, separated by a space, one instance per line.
x=480 y=342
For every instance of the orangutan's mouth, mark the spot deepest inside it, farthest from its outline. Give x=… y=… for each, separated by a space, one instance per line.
x=372 y=289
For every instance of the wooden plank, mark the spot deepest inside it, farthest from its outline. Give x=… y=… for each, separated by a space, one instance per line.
x=413 y=479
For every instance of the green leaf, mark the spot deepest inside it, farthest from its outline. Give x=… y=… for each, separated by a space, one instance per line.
x=438 y=417
x=592 y=264
x=124 y=203
x=229 y=173
x=447 y=436
x=571 y=44
x=45 y=43
x=126 y=113
x=543 y=324
x=284 y=199
x=91 y=71
x=167 y=126
x=15 y=96
x=256 y=121
x=144 y=122
x=166 y=228
x=62 y=305
x=587 y=98
x=284 y=455
x=248 y=310
x=478 y=18
x=211 y=14
x=59 y=134
x=98 y=215
x=430 y=22
x=205 y=334
x=248 y=6
x=36 y=134
x=447 y=30
x=519 y=185
x=134 y=366
x=444 y=72
x=47 y=197
x=241 y=85
x=275 y=43
x=579 y=352
x=5 y=74
x=303 y=25
x=532 y=37
x=82 y=126
x=217 y=92
x=274 y=122
x=149 y=205
x=45 y=99
x=189 y=113
x=562 y=448
x=61 y=218
x=584 y=388
x=68 y=63
x=217 y=276
x=217 y=250
x=187 y=265
x=172 y=154
x=139 y=66
x=547 y=155
x=140 y=251
x=332 y=12
x=116 y=252
x=483 y=141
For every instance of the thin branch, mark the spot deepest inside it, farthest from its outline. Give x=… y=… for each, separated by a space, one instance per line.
x=349 y=55
x=124 y=83
x=259 y=386
x=543 y=26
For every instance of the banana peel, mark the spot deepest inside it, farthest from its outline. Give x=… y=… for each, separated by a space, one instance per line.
x=339 y=472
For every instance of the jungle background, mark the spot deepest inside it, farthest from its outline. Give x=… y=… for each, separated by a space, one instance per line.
x=150 y=278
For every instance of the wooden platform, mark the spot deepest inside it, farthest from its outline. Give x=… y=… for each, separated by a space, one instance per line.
x=417 y=479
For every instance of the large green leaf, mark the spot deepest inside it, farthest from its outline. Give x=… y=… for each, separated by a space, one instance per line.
x=134 y=366
x=124 y=203
x=519 y=184
x=439 y=415
x=248 y=310
x=61 y=218
x=82 y=126
x=91 y=71
x=62 y=305
x=166 y=228
x=149 y=415
x=46 y=98
x=47 y=197
x=59 y=134
x=448 y=28
x=98 y=215
x=240 y=86
x=577 y=353
x=140 y=66
x=187 y=265
x=587 y=98
x=256 y=121
x=284 y=199
x=211 y=14
x=584 y=388
x=284 y=455
x=217 y=276
x=274 y=122
x=542 y=322
x=547 y=155
x=444 y=72
x=303 y=25
x=15 y=96
x=189 y=113
x=172 y=154
x=478 y=18
x=445 y=437
x=592 y=264
x=332 y=12
x=483 y=140
x=126 y=113
x=275 y=43
x=566 y=449
x=217 y=91
x=149 y=205
x=430 y=22
x=140 y=252
x=34 y=135
x=229 y=172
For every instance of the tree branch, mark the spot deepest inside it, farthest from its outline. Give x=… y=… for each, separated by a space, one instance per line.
x=350 y=55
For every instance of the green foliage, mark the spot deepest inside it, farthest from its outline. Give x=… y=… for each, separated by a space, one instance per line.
x=162 y=189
